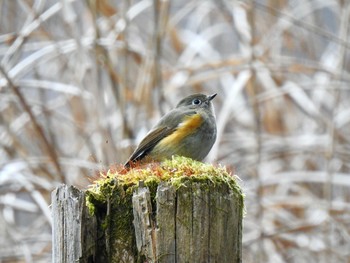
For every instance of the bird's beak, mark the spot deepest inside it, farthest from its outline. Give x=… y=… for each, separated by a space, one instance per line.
x=210 y=97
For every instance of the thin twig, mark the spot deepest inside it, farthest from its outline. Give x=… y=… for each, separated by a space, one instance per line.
x=49 y=148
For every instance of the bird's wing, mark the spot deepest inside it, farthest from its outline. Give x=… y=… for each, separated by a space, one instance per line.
x=157 y=134
x=148 y=143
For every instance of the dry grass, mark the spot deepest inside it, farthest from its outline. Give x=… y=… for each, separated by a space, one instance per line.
x=82 y=81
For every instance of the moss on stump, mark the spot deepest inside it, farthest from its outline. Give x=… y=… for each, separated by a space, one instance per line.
x=110 y=198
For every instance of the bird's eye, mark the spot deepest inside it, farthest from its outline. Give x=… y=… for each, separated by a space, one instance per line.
x=196 y=102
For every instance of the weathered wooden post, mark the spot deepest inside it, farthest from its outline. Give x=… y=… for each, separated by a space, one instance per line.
x=179 y=211
x=73 y=230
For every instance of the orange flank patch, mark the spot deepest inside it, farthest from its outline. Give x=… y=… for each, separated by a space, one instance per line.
x=188 y=126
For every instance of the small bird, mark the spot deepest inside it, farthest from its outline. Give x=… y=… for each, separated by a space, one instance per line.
x=188 y=130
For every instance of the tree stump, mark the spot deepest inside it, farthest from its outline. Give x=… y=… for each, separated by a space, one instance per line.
x=150 y=218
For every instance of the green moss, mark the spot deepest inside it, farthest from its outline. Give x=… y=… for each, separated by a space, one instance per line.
x=176 y=171
x=113 y=192
x=112 y=205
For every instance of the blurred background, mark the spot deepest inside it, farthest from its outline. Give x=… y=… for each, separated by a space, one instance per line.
x=81 y=82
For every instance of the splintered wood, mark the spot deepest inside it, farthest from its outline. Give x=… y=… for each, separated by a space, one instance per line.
x=73 y=230
x=199 y=222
